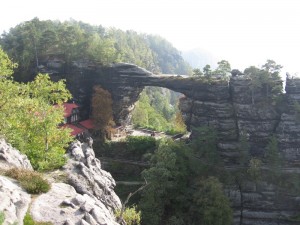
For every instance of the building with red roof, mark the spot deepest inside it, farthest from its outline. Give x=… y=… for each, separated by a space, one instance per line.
x=71 y=115
x=71 y=112
x=88 y=124
x=75 y=130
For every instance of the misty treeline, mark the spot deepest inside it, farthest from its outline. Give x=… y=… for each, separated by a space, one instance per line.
x=31 y=41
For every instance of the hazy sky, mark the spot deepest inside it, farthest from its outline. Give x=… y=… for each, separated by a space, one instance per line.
x=244 y=32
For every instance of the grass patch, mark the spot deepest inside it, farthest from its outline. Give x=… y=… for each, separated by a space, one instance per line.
x=29 y=221
x=2 y=217
x=31 y=181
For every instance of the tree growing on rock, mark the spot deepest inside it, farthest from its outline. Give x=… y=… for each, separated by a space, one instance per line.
x=223 y=68
x=207 y=71
x=273 y=160
x=265 y=81
x=197 y=72
x=211 y=206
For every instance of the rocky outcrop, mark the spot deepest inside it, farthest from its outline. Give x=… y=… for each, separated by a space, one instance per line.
x=63 y=205
x=288 y=129
x=233 y=109
x=89 y=197
x=10 y=157
x=14 y=201
x=84 y=173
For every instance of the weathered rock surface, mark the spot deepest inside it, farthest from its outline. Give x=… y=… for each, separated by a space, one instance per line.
x=63 y=205
x=92 y=200
x=84 y=173
x=14 y=201
x=11 y=157
x=231 y=107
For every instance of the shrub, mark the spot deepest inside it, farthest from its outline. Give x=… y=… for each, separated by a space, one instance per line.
x=131 y=216
x=31 y=181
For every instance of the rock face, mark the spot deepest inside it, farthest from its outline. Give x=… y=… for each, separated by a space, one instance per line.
x=10 y=157
x=14 y=201
x=231 y=107
x=84 y=173
x=63 y=205
x=90 y=200
x=234 y=110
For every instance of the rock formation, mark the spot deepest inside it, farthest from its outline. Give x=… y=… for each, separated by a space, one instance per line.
x=84 y=173
x=14 y=201
x=91 y=199
x=233 y=110
x=88 y=198
x=230 y=107
x=10 y=157
x=63 y=205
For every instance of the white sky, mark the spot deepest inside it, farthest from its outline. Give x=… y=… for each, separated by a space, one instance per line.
x=244 y=32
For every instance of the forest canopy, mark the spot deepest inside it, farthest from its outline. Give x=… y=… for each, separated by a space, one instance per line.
x=31 y=41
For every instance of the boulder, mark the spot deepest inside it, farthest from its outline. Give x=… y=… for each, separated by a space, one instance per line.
x=84 y=173
x=14 y=201
x=11 y=157
x=63 y=205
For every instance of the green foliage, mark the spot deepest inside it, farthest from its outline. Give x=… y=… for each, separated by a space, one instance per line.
x=6 y=65
x=30 y=121
x=167 y=180
x=205 y=145
x=131 y=215
x=45 y=90
x=29 y=221
x=172 y=196
x=273 y=160
x=31 y=181
x=30 y=42
x=211 y=206
x=223 y=68
x=2 y=217
x=154 y=110
x=146 y=116
x=197 y=72
x=295 y=218
x=265 y=81
x=207 y=71
x=140 y=145
x=255 y=169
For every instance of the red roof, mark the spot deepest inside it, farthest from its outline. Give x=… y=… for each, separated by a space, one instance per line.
x=89 y=124
x=68 y=108
x=75 y=130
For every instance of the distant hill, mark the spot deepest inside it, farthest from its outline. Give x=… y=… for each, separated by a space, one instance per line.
x=198 y=58
x=31 y=42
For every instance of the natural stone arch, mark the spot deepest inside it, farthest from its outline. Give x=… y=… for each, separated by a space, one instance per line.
x=126 y=81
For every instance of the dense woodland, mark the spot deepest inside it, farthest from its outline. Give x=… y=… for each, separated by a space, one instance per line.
x=185 y=181
x=31 y=41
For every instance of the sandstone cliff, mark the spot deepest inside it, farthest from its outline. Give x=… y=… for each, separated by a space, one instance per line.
x=232 y=109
